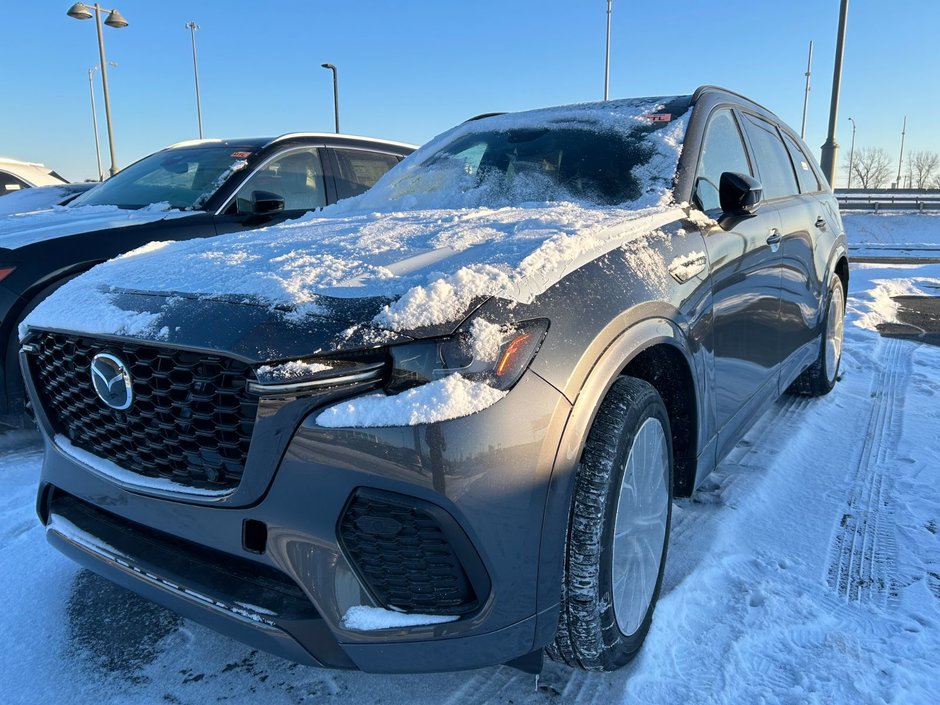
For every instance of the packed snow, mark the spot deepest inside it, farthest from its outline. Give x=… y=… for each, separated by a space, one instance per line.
x=289 y=371
x=806 y=569
x=363 y=618
x=452 y=397
x=431 y=249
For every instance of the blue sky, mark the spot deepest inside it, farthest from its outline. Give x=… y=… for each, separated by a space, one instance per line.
x=409 y=70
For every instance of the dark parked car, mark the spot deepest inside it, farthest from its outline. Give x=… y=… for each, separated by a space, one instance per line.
x=442 y=428
x=201 y=188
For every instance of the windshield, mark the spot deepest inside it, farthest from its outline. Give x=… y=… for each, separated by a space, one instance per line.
x=594 y=154
x=184 y=178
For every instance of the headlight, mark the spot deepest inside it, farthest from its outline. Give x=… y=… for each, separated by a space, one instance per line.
x=484 y=352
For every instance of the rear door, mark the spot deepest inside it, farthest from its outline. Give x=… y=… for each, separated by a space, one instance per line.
x=745 y=271
x=356 y=170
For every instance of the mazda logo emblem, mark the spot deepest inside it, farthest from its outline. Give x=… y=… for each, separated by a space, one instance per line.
x=112 y=381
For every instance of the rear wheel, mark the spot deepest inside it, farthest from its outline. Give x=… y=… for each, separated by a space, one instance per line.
x=820 y=377
x=618 y=531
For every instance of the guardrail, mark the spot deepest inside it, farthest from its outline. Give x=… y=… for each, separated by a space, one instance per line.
x=888 y=199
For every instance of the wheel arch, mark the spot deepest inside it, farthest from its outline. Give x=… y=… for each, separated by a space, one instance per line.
x=640 y=351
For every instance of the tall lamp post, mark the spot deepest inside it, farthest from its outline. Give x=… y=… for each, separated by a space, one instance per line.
x=607 y=57
x=809 y=73
x=901 y=155
x=335 y=95
x=81 y=11
x=192 y=27
x=851 y=153
x=830 y=150
x=94 y=119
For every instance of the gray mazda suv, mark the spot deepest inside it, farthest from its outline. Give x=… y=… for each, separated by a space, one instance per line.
x=440 y=425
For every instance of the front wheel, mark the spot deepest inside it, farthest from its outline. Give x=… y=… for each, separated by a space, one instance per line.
x=618 y=531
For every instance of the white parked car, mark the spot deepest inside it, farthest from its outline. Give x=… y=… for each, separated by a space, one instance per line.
x=16 y=175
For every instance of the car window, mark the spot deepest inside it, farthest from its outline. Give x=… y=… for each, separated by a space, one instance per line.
x=803 y=164
x=184 y=177
x=9 y=183
x=296 y=176
x=359 y=170
x=773 y=163
x=722 y=150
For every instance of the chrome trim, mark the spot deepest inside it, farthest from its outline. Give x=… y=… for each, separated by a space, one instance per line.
x=374 y=372
x=60 y=526
x=30 y=348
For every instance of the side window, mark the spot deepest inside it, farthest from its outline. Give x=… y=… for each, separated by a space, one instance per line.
x=773 y=163
x=722 y=150
x=297 y=176
x=9 y=183
x=359 y=170
x=804 y=169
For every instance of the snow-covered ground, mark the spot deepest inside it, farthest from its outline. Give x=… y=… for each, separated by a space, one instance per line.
x=806 y=570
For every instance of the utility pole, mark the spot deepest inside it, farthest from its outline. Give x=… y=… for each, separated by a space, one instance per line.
x=851 y=154
x=901 y=155
x=94 y=119
x=192 y=27
x=830 y=149
x=607 y=60
x=809 y=72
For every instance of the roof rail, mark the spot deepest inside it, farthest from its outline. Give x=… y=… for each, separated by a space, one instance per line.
x=291 y=135
x=482 y=116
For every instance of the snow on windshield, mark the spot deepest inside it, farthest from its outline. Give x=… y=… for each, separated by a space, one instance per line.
x=430 y=251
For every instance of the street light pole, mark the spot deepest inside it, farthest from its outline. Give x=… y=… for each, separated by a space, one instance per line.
x=830 y=150
x=851 y=153
x=607 y=59
x=81 y=11
x=901 y=155
x=192 y=26
x=335 y=94
x=94 y=119
x=809 y=72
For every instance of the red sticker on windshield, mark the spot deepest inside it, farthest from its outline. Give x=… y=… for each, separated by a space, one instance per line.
x=240 y=155
x=659 y=117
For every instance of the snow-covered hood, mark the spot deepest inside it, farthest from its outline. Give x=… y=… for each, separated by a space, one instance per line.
x=400 y=272
x=21 y=229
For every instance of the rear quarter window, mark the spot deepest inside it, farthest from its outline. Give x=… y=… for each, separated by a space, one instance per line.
x=803 y=165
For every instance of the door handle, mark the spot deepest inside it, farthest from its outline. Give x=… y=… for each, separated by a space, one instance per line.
x=821 y=223
x=775 y=237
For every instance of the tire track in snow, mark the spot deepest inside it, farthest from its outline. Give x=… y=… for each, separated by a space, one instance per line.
x=863 y=553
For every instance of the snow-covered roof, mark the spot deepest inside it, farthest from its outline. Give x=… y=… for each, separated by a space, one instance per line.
x=33 y=173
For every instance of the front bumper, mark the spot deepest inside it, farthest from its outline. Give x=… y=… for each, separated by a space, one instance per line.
x=489 y=472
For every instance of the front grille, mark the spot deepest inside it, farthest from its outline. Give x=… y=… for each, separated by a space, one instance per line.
x=408 y=554
x=190 y=422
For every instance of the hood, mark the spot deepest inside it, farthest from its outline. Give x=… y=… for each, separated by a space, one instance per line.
x=21 y=229
x=380 y=277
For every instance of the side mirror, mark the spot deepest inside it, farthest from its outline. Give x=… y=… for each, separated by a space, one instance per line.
x=739 y=194
x=265 y=202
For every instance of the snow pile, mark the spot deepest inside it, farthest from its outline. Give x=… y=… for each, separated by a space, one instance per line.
x=486 y=339
x=877 y=306
x=441 y=400
x=432 y=263
x=362 y=618
x=289 y=371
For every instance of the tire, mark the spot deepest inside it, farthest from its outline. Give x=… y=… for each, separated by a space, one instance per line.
x=600 y=628
x=820 y=377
